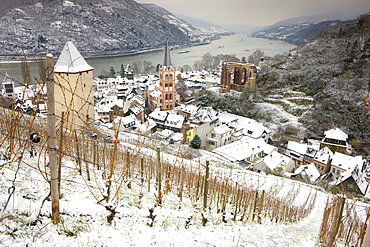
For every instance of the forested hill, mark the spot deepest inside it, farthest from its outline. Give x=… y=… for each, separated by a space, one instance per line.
x=38 y=27
x=334 y=69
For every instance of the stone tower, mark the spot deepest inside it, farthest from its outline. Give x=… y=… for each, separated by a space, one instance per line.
x=167 y=82
x=74 y=88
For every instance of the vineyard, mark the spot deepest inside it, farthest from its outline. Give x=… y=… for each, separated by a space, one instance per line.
x=115 y=187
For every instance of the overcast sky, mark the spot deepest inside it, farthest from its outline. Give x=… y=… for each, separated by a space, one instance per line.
x=259 y=12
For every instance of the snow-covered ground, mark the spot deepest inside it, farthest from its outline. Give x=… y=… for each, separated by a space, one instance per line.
x=177 y=223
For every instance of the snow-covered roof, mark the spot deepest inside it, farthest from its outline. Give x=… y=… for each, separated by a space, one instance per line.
x=124 y=120
x=255 y=130
x=276 y=159
x=158 y=114
x=173 y=120
x=323 y=155
x=206 y=114
x=310 y=171
x=177 y=137
x=165 y=133
x=155 y=93
x=237 y=151
x=147 y=126
x=222 y=129
x=300 y=148
x=71 y=61
x=192 y=109
x=136 y=109
x=346 y=162
x=250 y=127
x=358 y=177
x=336 y=134
x=244 y=148
x=7 y=79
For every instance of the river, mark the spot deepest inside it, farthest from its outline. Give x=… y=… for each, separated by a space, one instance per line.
x=240 y=45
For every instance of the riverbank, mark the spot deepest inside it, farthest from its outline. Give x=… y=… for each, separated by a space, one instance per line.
x=240 y=45
x=98 y=54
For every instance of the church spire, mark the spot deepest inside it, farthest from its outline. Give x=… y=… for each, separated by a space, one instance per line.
x=167 y=57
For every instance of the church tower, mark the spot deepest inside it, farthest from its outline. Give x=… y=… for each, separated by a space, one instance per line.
x=167 y=82
x=74 y=87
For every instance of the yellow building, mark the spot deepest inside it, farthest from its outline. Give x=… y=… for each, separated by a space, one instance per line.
x=73 y=88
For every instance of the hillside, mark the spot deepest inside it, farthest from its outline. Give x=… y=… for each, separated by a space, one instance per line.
x=296 y=33
x=95 y=27
x=303 y=29
x=316 y=87
x=332 y=70
x=184 y=26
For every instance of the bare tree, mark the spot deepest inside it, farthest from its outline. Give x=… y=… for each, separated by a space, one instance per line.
x=255 y=57
x=136 y=67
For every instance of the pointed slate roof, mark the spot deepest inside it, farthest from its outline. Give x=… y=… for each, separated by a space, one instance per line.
x=7 y=79
x=167 y=57
x=71 y=61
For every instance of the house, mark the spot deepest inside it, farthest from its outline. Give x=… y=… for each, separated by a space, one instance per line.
x=129 y=72
x=218 y=136
x=124 y=123
x=244 y=126
x=307 y=172
x=341 y=163
x=275 y=161
x=200 y=122
x=353 y=181
x=322 y=160
x=165 y=120
x=301 y=153
x=147 y=127
x=165 y=134
x=336 y=140
x=109 y=107
x=8 y=87
x=246 y=150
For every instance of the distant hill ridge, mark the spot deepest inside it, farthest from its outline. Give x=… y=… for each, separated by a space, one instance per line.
x=96 y=27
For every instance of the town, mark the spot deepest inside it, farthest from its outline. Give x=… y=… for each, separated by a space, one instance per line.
x=151 y=105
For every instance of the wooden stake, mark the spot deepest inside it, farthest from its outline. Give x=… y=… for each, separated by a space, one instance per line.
x=159 y=175
x=142 y=170
x=52 y=139
x=60 y=153
x=78 y=154
x=205 y=192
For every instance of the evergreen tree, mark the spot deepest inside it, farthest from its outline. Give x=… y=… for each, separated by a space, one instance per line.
x=122 y=72
x=112 y=72
x=196 y=142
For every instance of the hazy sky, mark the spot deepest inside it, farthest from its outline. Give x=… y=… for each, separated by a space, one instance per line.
x=258 y=12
